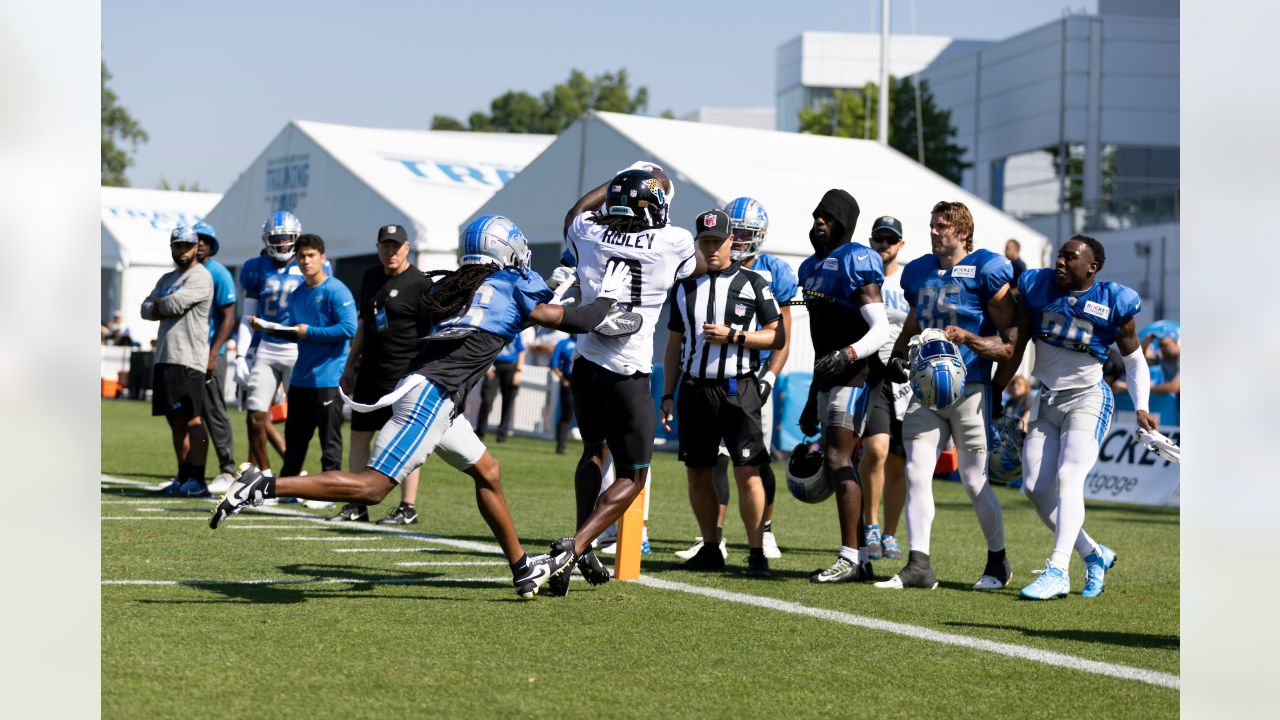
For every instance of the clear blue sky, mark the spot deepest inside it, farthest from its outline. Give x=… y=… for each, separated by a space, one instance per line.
x=213 y=82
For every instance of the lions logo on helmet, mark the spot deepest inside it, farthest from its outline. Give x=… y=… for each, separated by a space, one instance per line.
x=495 y=240
x=937 y=370
x=806 y=476
x=1004 y=458
x=749 y=223
x=279 y=233
x=637 y=194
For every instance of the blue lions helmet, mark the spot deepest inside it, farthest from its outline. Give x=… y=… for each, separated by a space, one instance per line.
x=807 y=477
x=279 y=233
x=1004 y=458
x=495 y=240
x=749 y=224
x=937 y=370
x=205 y=230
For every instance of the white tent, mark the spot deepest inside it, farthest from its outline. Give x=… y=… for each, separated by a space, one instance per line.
x=712 y=164
x=345 y=182
x=135 y=247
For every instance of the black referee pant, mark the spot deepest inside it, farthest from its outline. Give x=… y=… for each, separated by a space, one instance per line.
x=215 y=417
x=504 y=380
x=312 y=409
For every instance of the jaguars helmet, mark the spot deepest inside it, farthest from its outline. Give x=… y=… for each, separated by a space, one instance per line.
x=637 y=194
x=495 y=240
x=1004 y=457
x=807 y=477
x=279 y=233
x=205 y=230
x=749 y=223
x=937 y=370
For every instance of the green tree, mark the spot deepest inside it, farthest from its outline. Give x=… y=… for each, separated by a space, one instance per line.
x=556 y=109
x=181 y=187
x=117 y=124
x=854 y=113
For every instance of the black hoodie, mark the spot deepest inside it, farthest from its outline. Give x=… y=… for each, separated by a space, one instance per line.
x=831 y=325
x=841 y=206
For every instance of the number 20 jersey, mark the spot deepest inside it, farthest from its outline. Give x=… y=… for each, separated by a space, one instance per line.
x=1074 y=330
x=959 y=297
x=271 y=284
x=658 y=258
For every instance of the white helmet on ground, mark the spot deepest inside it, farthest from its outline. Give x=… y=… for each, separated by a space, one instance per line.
x=1004 y=456
x=806 y=475
x=937 y=370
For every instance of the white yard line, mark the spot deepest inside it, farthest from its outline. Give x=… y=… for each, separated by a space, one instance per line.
x=315 y=581
x=450 y=563
x=1022 y=652
x=345 y=538
x=392 y=550
x=197 y=517
x=157 y=501
x=263 y=527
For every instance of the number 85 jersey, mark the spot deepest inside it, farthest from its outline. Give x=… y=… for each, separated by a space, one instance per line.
x=1074 y=330
x=959 y=297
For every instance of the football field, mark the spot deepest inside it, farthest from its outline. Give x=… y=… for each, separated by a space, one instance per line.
x=277 y=614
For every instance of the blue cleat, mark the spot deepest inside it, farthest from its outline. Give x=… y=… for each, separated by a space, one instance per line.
x=644 y=547
x=875 y=548
x=1052 y=583
x=1095 y=570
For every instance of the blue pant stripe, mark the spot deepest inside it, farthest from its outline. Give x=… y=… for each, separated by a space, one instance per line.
x=1104 y=417
x=414 y=430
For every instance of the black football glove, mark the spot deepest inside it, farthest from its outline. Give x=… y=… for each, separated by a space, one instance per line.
x=898 y=370
x=828 y=367
x=809 y=419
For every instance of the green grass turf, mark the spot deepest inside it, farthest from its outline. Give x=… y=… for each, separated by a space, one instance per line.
x=441 y=649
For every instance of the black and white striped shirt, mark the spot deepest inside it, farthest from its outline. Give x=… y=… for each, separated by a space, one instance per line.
x=735 y=297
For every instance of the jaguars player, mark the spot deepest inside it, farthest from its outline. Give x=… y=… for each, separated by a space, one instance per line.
x=848 y=325
x=1074 y=319
x=966 y=293
x=266 y=361
x=491 y=298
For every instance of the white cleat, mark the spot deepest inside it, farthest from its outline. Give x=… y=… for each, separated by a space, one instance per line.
x=771 y=550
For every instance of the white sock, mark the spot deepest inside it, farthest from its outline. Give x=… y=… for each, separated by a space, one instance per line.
x=851 y=555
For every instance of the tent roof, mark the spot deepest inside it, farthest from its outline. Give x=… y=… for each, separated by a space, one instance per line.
x=712 y=164
x=344 y=182
x=136 y=223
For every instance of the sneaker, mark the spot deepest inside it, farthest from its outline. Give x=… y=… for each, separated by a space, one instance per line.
x=697 y=545
x=645 y=549
x=758 y=567
x=351 y=512
x=1052 y=583
x=169 y=489
x=917 y=574
x=247 y=490
x=842 y=571
x=608 y=537
x=402 y=515
x=558 y=582
x=875 y=549
x=771 y=550
x=537 y=571
x=889 y=545
x=221 y=484
x=996 y=575
x=592 y=569
x=1095 y=570
x=318 y=504
x=193 y=488
x=611 y=548
x=707 y=558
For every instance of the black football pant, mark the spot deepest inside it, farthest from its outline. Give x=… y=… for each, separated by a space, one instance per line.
x=312 y=409
x=216 y=420
x=504 y=380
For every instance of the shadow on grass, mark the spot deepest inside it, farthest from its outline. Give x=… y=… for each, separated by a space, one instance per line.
x=1127 y=639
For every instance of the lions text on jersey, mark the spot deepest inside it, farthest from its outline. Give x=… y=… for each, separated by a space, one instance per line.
x=959 y=297
x=271 y=284
x=657 y=257
x=461 y=348
x=830 y=287
x=1074 y=330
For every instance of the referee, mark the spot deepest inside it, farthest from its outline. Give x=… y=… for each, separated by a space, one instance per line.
x=715 y=360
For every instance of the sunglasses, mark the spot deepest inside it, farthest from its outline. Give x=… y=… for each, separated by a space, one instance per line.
x=886 y=239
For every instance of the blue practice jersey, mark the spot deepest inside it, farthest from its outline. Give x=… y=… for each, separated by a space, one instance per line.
x=562 y=356
x=224 y=293
x=271 y=285
x=511 y=351
x=830 y=292
x=461 y=348
x=782 y=281
x=959 y=297
x=329 y=312
x=1086 y=322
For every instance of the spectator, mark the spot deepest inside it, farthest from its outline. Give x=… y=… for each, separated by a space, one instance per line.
x=1165 y=352
x=562 y=368
x=1013 y=252
x=324 y=314
x=116 y=332
x=181 y=301
x=504 y=376
x=222 y=321
x=1017 y=400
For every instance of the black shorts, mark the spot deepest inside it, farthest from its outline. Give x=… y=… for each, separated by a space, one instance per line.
x=881 y=420
x=368 y=392
x=617 y=410
x=177 y=390
x=708 y=414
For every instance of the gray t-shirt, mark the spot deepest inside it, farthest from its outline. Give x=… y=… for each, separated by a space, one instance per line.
x=180 y=301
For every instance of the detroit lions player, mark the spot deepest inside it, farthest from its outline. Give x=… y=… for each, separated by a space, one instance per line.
x=620 y=223
x=966 y=292
x=493 y=296
x=1074 y=319
x=266 y=361
x=847 y=324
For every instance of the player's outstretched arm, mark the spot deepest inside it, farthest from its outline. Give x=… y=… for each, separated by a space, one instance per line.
x=591 y=201
x=1136 y=373
x=578 y=318
x=1019 y=333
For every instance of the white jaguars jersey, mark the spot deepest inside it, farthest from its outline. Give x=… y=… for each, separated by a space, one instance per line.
x=657 y=258
x=896 y=307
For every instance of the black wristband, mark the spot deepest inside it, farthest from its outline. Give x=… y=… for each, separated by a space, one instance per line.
x=742 y=339
x=668 y=397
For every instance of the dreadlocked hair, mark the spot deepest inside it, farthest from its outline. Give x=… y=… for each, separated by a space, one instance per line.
x=452 y=293
x=625 y=223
